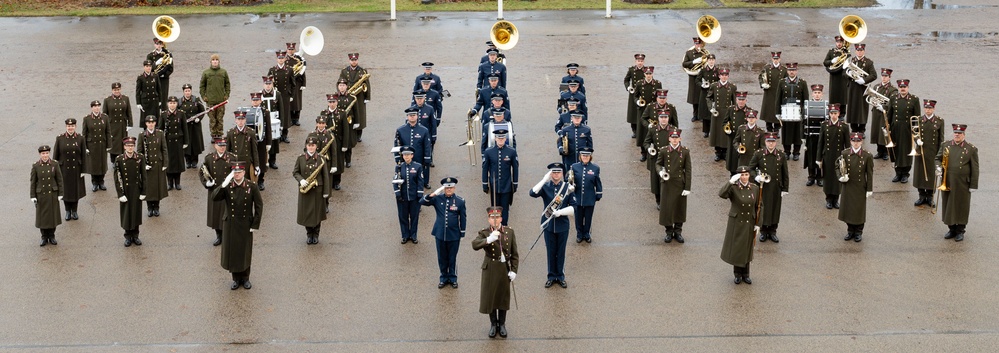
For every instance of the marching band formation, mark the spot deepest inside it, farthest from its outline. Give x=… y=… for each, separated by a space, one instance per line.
x=796 y=120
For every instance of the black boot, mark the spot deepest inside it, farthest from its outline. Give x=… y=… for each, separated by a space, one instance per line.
x=176 y=183
x=898 y=177
x=502 y=323
x=669 y=236
x=218 y=237
x=493 y=324
x=951 y=233
x=260 y=184
x=169 y=183
x=101 y=185
x=44 y=241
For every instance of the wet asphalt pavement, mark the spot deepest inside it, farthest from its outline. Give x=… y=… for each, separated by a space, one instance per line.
x=903 y=288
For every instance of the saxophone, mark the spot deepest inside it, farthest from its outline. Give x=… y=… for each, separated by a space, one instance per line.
x=841 y=166
x=311 y=181
x=565 y=144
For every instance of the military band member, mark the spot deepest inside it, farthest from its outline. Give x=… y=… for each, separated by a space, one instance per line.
x=500 y=172
x=931 y=133
x=792 y=90
x=299 y=79
x=856 y=103
x=674 y=172
x=414 y=135
x=490 y=92
x=743 y=223
x=267 y=145
x=631 y=79
x=499 y=269
x=498 y=122
x=858 y=185
x=572 y=93
x=217 y=165
x=770 y=165
x=901 y=108
x=46 y=191
x=71 y=154
x=770 y=79
x=406 y=184
x=192 y=106
x=693 y=56
x=559 y=202
x=147 y=90
x=960 y=175
x=837 y=76
x=311 y=173
x=645 y=93
x=163 y=70
x=565 y=119
x=118 y=108
x=815 y=114
x=326 y=144
x=428 y=75
x=705 y=78
x=499 y=104
x=650 y=117
x=736 y=118
x=879 y=125
x=572 y=73
x=433 y=99
x=129 y=171
x=242 y=142
x=589 y=190
x=655 y=141
x=748 y=138
x=449 y=228
x=214 y=89
x=577 y=137
x=426 y=116
x=244 y=209
x=720 y=98
x=500 y=57
x=348 y=106
x=834 y=137
x=153 y=147
x=97 y=134
x=173 y=123
x=352 y=73
x=336 y=120
x=491 y=67
x=284 y=81
x=273 y=102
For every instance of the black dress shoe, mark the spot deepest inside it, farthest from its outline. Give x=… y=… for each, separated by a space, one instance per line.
x=717 y=158
x=678 y=237
x=549 y=284
x=454 y=284
x=404 y=241
x=177 y=186
x=336 y=186
x=46 y=241
x=738 y=279
x=858 y=237
x=170 y=186
x=156 y=212
x=285 y=140
x=218 y=241
x=896 y=179
x=415 y=241
x=136 y=241
x=747 y=280
x=959 y=237
x=668 y=238
x=235 y=285
x=441 y=285
x=705 y=135
x=53 y=241
x=588 y=240
x=562 y=284
x=149 y=213
x=102 y=187
x=848 y=236
x=260 y=186
x=885 y=157
x=432 y=165
x=272 y=166
x=502 y=331
x=693 y=119
x=128 y=242
x=950 y=235
x=632 y=135
x=829 y=205
x=836 y=205
x=492 y=331
x=905 y=179
x=643 y=159
x=795 y=156
x=77 y=215
x=347 y=165
x=579 y=240
x=773 y=238
x=810 y=182
x=247 y=284
x=919 y=202
x=69 y=215
x=763 y=237
x=819 y=182
x=95 y=188
x=426 y=186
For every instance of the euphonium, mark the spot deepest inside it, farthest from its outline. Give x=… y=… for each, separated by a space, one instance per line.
x=311 y=181
x=874 y=98
x=838 y=61
x=917 y=140
x=944 y=160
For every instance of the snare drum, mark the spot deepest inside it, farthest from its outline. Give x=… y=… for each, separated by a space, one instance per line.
x=790 y=112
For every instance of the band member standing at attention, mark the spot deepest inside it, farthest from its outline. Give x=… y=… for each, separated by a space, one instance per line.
x=487 y=93
x=792 y=90
x=931 y=137
x=147 y=90
x=957 y=164
x=564 y=119
x=152 y=146
x=655 y=141
x=770 y=165
x=352 y=73
x=336 y=121
x=645 y=94
x=879 y=124
x=498 y=100
x=314 y=179
x=192 y=106
x=770 y=79
x=736 y=118
x=901 y=108
x=574 y=138
x=164 y=70
x=242 y=142
x=491 y=67
x=720 y=98
x=214 y=89
x=743 y=223
x=266 y=145
x=406 y=185
x=748 y=138
x=129 y=180
x=498 y=122
x=414 y=135
x=709 y=75
x=326 y=144
x=426 y=115
x=118 y=108
x=500 y=172
x=834 y=137
x=815 y=114
x=284 y=82
x=448 y=230
x=244 y=209
x=350 y=111
x=572 y=93
x=299 y=79
x=272 y=103
x=71 y=152
x=173 y=123
x=856 y=103
x=46 y=191
x=674 y=172
x=97 y=134
x=691 y=57
x=217 y=165
x=650 y=117
x=837 y=76
x=631 y=79
x=559 y=202
x=857 y=175
x=572 y=73
x=589 y=190
x=499 y=269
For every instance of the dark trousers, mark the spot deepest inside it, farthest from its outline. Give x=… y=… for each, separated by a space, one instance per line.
x=772 y=127
x=497 y=317
x=634 y=130
x=409 y=218
x=241 y=276
x=694 y=106
x=584 y=219
x=676 y=228
x=295 y=115
x=348 y=154
x=555 y=244
x=814 y=172
x=131 y=233
x=741 y=271
x=275 y=148
x=858 y=128
x=792 y=149
x=336 y=178
x=447 y=259
x=706 y=125
x=768 y=229
x=71 y=205
x=358 y=132
x=48 y=233
x=97 y=179
x=504 y=199
x=855 y=228
x=903 y=170
x=313 y=231
x=173 y=178
x=882 y=150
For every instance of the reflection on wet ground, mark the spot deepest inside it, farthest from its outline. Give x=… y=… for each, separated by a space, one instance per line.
x=945 y=35
x=922 y=4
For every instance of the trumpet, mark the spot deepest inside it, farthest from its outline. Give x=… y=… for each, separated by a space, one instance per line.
x=663 y=174
x=704 y=83
x=653 y=151
x=764 y=176
x=631 y=88
x=741 y=149
x=640 y=101
x=917 y=139
x=727 y=128
x=207 y=175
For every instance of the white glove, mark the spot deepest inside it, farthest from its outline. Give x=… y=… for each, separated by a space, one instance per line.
x=734 y=179
x=765 y=86
x=783 y=193
x=685 y=193
x=149 y=167
x=34 y=200
x=572 y=188
x=662 y=174
x=343 y=149
x=357 y=125
x=81 y=175
x=778 y=117
x=253 y=230
x=256 y=170
x=564 y=212
x=759 y=178
x=140 y=107
x=512 y=275
x=869 y=193
x=859 y=81
x=88 y=151
x=652 y=151
x=228 y=178
x=142 y=197
x=366 y=101
x=333 y=170
x=844 y=178
x=185 y=146
x=159 y=61
x=198 y=120
x=164 y=168
x=756 y=229
x=972 y=190
x=302 y=183
x=698 y=60
x=326 y=196
x=292 y=99
x=123 y=199
x=548 y=177
x=60 y=198
x=303 y=87
x=939 y=171
x=437 y=192
x=492 y=237
x=919 y=142
x=210 y=183
x=818 y=163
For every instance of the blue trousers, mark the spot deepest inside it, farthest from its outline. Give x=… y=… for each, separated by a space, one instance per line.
x=503 y=199
x=584 y=219
x=409 y=217
x=447 y=259
x=555 y=244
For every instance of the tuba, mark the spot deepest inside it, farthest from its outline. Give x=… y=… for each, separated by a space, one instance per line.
x=709 y=31
x=166 y=29
x=853 y=29
x=917 y=139
x=504 y=35
x=311 y=41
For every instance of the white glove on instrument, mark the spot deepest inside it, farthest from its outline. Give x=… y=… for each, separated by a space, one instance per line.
x=685 y=193
x=292 y=99
x=164 y=168
x=326 y=196
x=81 y=175
x=142 y=197
x=652 y=150
x=185 y=146
x=123 y=199
x=568 y=211
x=256 y=170
x=228 y=178
x=783 y=193
x=88 y=150
x=939 y=171
x=844 y=178
x=818 y=163
x=759 y=178
x=662 y=174
x=512 y=275
x=869 y=193
x=253 y=230
x=698 y=61
x=734 y=179
x=859 y=81
x=919 y=142
x=210 y=183
x=394 y=181
x=140 y=107
x=972 y=190
x=302 y=183
x=756 y=229
x=159 y=61
x=60 y=198
x=492 y=237
x=765 y=86
x=437 y=192
x=357 y=125
x=333 y=170
x=149 y=167
x=34 y=200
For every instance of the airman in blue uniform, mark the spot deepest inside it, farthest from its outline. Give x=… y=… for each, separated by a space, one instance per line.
x=426 y=115
x=576 y=136
x=500 y=57
x=487 y=92
x=565 y=119
x=449 y=228
x=559 y=203
x=589 y=189
x=497 y=122
x=406 y=184
x=491 y=67
x=500 y=172
x=572 y=71
x=414 y=135
x=498 y=101
x=428 y=75
x=573 y=92
x=434 y=99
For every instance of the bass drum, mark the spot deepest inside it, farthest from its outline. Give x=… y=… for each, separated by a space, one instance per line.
x=254 y=120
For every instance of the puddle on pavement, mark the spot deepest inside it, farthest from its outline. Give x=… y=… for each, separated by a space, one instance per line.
x=922 y=4
x=945 y=35
x=428 y=18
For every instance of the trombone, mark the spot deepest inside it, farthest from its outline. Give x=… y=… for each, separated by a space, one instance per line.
x=915 y=136
x=944 y=161
x=472 y=127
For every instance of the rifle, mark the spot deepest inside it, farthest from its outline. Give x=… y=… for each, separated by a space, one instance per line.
x=206 y=111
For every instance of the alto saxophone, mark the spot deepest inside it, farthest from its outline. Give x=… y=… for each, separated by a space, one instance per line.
x=565 y=144
x=311 y=181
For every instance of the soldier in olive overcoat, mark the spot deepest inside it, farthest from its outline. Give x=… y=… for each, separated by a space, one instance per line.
x=71 y=152
x=243 y=210
x=129 y=179
x=770 y=166
x=499 y=269
x=310 y=167
x=858 y=185
x=152 y=146
x=46 y=191
x=743 y=222
x=674 y=176
x=834 y=136
x=961 y=175
x=97 y=135
x=216 y=166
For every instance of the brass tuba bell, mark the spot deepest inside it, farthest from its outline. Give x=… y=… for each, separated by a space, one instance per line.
x=311 y=40
x=166 y=28
x=708 y=29
x=504 y=35
x=853 y=29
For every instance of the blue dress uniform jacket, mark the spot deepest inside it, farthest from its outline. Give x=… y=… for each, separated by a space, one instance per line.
x=436 y=85
x=417 y=137
x=487 y=115
x=578 y=137
x=435 y=100
x=547 y=194
x=564 y=119
x=485 y=96
x=567 y=95
x=488 y=138
x=589 y=188
x=487 y=68
x=427 y=117
x=566 y=78
x=411 y=188
x=500 y=169
x=451 y=218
